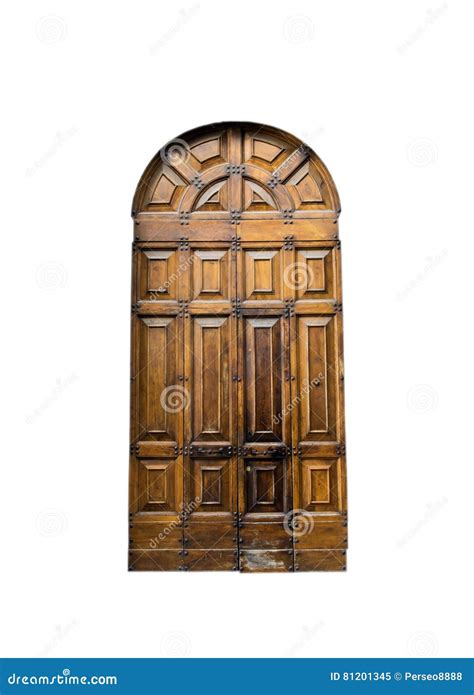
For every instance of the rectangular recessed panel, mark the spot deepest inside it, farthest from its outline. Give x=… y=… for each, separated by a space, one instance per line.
x=316 y=378
x=157 y=485
x=161 y=397
x=266 y=486
x=160 y=278
x=314 y=274
x=209 y=485
x=262 y=281
x=210 y=391
x=211 y=275
x=320 y=484
x=263 y=374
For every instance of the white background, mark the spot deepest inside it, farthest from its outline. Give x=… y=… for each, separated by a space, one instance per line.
x=382 y=92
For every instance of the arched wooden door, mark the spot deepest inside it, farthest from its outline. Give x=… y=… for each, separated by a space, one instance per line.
x=237 y=423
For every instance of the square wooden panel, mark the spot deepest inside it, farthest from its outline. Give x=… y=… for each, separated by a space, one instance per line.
x=262 y=281
x=313 y=275
x=211 y=274
x=209 y=486
x=320 y=484
x=157 y=485
x=265 y=485
x=159 y=278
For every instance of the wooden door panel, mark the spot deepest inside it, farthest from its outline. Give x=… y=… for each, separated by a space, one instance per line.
x=320 y=560
x=320 y=484
x=161 y=396
x=266 y=560
x=209 y=536
x=316 y=378
x=266 y=486
x=211 y=379
x=159 y=274
x=211 y=487
x=211 y=274
x=264 y=355
x=262 y=275
x=154 y=560
x=313 y=274
x=155 y=536
x=159 y=484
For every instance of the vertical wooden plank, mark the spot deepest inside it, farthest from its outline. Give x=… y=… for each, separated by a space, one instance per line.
x=235 y=179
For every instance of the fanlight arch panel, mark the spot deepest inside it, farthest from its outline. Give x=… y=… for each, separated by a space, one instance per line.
x=236 y=170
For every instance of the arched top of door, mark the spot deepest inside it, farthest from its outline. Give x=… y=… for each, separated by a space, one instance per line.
x=236 y=171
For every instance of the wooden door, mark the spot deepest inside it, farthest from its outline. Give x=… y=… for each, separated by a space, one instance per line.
x=237 y=453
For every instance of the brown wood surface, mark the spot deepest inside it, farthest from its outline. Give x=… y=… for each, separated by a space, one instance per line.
x=237 y=458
